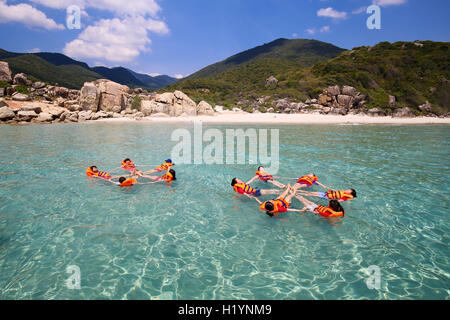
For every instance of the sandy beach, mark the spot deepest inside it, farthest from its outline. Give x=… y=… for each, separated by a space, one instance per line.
x=273 y=118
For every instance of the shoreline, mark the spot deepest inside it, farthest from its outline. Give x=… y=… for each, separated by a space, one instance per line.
x=278 y=118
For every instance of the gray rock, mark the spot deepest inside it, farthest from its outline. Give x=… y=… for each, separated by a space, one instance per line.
x=3 y=103
x=72 y=117
x=376 y=112
x=403 y=112
x=89 y=97
x=6 y=114
x=338 y=111
x=426 y=107
x=204 y=108
x=326 y=110
x=349 y=91
x=61 y=92
x=271 y=81
x=10 y=91
x=38 y=85
x=270 y=110
x=345 y=101
x=21 y=79
x=31 y=107
x=333 y=91
x=26 y=115
x=5 y=72
x=17 y=96
x=56 y=112
x=85 y=115
x=44 y=117
x=392 y=102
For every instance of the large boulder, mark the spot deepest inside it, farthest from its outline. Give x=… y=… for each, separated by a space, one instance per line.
x=204 y=108
x=61 y=92
x=392 y=102
x=26 y=115
x=6 y=114
x=345 y=101
x=56 y=112
x=2 y=92
x=44 y=117
x=426 y=107
x=17 y=96
x=5 y=72
x=38 y=85
x=349 y=91
x=31 y=107
x=21 y=79
x=184 y=104
x=166 y=97
x=403 y=112
x=89 y=97
x=111 y=94
x=333 y=91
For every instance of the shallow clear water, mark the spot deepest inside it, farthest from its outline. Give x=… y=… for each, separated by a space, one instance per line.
x=197 y=239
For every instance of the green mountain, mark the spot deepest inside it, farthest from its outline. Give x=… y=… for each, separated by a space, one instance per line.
x=301 y=51
x=58 y=68
x=413 y=73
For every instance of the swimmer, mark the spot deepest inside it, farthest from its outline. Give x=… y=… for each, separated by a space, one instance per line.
x=128 y=165
x=341 y=195
x=244 y=188
x=165 y=166
x=280 y=204
x=93 y=172
x=309 y=180
x=334 y=209
x=169 y=176
x=263 y=175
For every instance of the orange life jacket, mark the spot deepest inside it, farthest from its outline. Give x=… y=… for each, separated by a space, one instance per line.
x=277 y=205
x=126 y=166
x=339 y=195
x=244 y=188
x=167 y=177
x=100 y=174
x=129 y=182
x=263 y=177
x=165 y=166
x=307 y=180
x=328 y=212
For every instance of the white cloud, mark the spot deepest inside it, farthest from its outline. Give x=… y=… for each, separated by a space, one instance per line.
x=120 y=8
x=178 y=76
x=154 y=74
x=359 y=10
x=311 y=30
x=34 y=50
x=26 y=14
x=325 y=29
x=115 y=40
x=385 y=3
x=295 y=35
x=331 y=13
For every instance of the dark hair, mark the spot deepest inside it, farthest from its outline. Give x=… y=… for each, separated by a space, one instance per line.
x=269 y=206
x=92 y=167
x=233 y=182
x=172 y=172
x=259 y=168
x=336 y=206
x=122 y=179
x=127 y=159
x=353 y=193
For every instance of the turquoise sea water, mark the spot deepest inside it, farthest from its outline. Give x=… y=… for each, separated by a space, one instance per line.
x=197 y=239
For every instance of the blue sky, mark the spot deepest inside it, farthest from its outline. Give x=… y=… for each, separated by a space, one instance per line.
x=179 y=37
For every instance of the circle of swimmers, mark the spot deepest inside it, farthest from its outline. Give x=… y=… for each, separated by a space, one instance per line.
x=134 y=174
x=285 y=193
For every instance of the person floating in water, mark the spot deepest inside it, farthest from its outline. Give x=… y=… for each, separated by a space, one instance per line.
x=168 y=164
x=263 y=175
x=93 y=172
x=341 y=195
x=169 y=176
x=280 y=204
x=334 y=208
x=244 y=188
x=128 y=165
x=309 y=180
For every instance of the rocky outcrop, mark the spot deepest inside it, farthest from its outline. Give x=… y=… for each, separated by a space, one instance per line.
x=6 y=113
x=21 y=79
x=20 y=97
x=173 y=104
x=204 y=108
x=403 y=112
x=5 y=72
x=271 y=82
x=104 y=95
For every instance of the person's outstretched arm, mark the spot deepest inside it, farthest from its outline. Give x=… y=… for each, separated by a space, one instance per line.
x=277 y=184
x=324 y=186
x=252 y=179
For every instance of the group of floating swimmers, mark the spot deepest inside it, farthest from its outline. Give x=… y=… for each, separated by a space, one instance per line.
x=131 y=178
x=282 y=203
